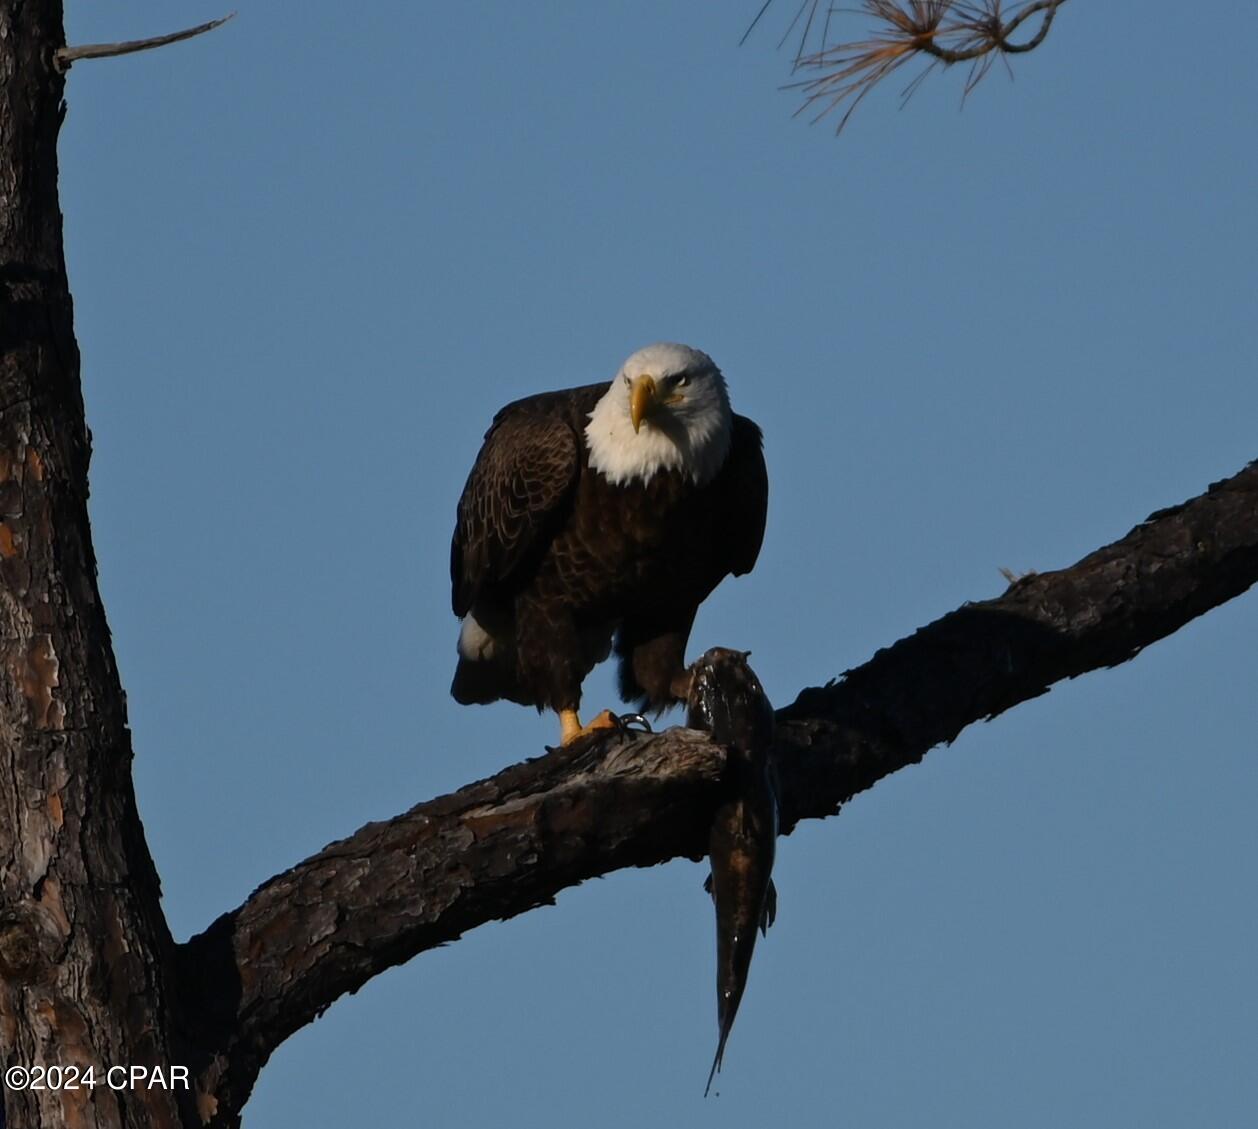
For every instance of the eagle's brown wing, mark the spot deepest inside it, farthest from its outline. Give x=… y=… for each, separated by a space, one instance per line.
x=522 y=481
x=744 y=490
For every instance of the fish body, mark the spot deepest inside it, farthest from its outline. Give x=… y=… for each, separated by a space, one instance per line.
x=726 y=699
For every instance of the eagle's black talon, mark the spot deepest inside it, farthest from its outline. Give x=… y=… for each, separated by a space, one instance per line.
x=631 y=719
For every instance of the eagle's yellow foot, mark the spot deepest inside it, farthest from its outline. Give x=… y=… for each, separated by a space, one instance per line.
x=571 y=727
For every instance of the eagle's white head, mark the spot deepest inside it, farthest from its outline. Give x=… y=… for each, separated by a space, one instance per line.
x=666 y=409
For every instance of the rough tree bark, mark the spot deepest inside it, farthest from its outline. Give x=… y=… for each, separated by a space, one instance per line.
x=90 y=974
x=84 y=947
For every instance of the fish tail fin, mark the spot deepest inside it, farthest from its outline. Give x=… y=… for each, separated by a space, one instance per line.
x=716 y=1062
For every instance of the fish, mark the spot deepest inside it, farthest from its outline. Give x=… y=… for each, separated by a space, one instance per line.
x=727 y=700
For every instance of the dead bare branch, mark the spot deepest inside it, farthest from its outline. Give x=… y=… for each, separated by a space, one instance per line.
x=66 y=56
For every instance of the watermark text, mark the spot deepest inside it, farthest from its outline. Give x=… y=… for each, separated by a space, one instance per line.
x=90 y=1077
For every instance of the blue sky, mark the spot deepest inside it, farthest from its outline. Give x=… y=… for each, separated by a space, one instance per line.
x=312 y=254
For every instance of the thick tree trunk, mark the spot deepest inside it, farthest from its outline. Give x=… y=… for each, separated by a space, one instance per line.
x=83 y=945
x=89 y=977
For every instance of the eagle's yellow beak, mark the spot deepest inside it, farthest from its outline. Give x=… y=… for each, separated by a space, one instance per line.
x=644 y=398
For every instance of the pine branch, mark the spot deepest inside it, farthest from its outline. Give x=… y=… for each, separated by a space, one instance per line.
x=944 y=32
x=507 y=844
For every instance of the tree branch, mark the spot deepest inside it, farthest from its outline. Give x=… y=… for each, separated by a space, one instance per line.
x=504 y=845
x=984 y=658
x=66 y=56
x=491 y=850
x=944 y=31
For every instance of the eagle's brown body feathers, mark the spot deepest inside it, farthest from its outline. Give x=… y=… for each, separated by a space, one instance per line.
x=552 y=560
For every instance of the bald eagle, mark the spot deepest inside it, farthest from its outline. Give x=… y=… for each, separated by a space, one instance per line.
x=598 y=513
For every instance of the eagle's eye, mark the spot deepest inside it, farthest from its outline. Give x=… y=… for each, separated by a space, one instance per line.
x=682 y=381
